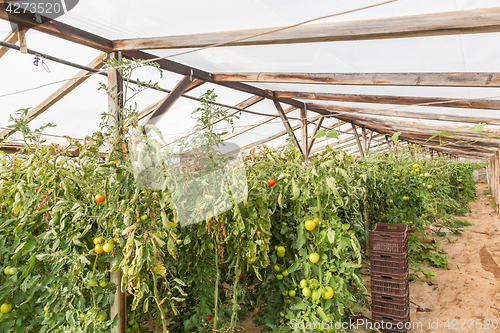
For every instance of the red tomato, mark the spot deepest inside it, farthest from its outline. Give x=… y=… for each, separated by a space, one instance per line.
x=99 y=198
x=271 y=182
x=240 y=276
x=209 y=317
x=37 y=188
x=222 y=290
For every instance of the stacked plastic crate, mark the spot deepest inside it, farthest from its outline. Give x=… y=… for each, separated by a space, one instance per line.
x=389 y=277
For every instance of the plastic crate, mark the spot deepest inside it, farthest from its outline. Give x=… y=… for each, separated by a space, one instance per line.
x=391 y=305
x=393 y=320
x=389 y=238
x=390 y=286
x=393 y=264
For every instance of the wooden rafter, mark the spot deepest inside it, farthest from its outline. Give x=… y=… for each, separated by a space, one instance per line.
x=357 y=140
x=455 y=79
x=309 y=136
x=409 y=114
x=370 y=140
x=58 y=29
x=316 y=129
x=21 y=32
x=449 y=23
x=289 y=129
x=480 y=103
x=11 y=38
x=185 y=84
x=365 y=140
x=78 y=79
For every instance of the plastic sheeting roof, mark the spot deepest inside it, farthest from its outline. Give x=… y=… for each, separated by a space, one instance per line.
x=78 y=114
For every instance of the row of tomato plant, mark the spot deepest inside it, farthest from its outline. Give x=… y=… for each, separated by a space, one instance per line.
x=291 y=250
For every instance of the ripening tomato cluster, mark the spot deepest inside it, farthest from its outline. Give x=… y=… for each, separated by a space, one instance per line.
x=102 y=246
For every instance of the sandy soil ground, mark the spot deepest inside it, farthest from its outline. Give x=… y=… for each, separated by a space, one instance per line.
x=468 y=290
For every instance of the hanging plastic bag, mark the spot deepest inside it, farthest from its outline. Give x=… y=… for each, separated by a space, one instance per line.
x=146 y=161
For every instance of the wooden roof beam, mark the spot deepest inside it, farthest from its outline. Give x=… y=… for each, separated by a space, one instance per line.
x=454 y=79
x=448 y=23
x=289 y=129
x=410 y=114
x=479 y=103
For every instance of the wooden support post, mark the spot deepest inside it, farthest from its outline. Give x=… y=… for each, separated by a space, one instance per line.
x=289 y=129
x=361 y=152
x=370 y=141
x=303 y=127
x=119 y=307
x=316 y=129
x=365 y=142
x=23 y=47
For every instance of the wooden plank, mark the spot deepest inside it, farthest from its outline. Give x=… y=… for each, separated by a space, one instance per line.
x=357 y=140
x=336 y=144
x=11 y=38
x=58 y=29
x=448 y=23
x=23 y=47
x=185 y=84
x=115 y=105
x=409 y=114
x=455 y=79
x=486 y=104
x=78 y=79
x=285 y=121
x=318 y=126
x=309 y=136
x=303 y=130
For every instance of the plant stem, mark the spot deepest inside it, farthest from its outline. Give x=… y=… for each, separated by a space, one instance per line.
x=163 y=321
x=235 y=294
x=216 y=313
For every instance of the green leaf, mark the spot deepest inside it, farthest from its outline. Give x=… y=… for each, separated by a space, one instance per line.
x=319 y=134
x=395 y=136
x=478 y=127
x=332 y=134
x=299 y=306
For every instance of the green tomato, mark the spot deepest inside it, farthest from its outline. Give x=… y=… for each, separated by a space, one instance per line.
x=306 y=292
x=7 y=270
x=303 y=283
x=92 y=282
x=131 y=322
x=285 y=293
x=129 y=330
x=314 y=257
x=391 y=202
x=277 y=268
x=102 y=316
x=6 y=308
x=144 y=217
x=13 y=270
x=279 y=277
x=327 y=293
x=108 y=247
x=103 y=283
x=291 y=293
x=210 y=246
x=429 y=186
x=316 y=295
x=282 y=314
x=281 y=254
x=281 y=249
x=285 y=273
x=136 y=326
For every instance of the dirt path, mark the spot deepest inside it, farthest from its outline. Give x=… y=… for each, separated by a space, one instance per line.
x=470 y=288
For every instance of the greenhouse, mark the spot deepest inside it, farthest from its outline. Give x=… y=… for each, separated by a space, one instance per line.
x=249 y=166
